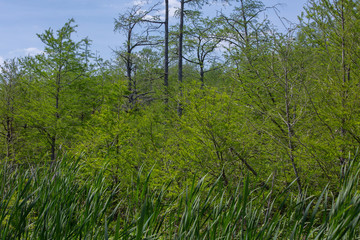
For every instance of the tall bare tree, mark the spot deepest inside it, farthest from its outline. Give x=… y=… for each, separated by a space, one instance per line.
x=139 y=27
x=166 y=52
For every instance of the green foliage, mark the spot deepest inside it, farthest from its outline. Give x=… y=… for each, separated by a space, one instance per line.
x=285 y=105
x=60 y=89
x=11 y=103
x=60 y=204
x=57 y=203
x=332 y=31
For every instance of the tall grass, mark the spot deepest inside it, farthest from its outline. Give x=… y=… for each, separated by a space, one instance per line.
x=38 y=203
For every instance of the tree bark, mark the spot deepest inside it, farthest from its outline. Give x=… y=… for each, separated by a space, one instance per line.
x=180 y=64
x=344 y=80
x=166 y=51
x=202 y=73
x=290 y=132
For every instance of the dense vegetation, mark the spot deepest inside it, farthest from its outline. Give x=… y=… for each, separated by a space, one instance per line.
x=270 y=118
x=62 y=204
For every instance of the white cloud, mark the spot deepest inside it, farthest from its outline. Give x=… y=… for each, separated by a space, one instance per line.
x=1 y=60
x=173 y=6
x=139 y=2
x=31 y=51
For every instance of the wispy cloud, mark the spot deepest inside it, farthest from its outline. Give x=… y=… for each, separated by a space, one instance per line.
x=140 y=2
x=31 y=51
x=1 y=60
x=173 y=6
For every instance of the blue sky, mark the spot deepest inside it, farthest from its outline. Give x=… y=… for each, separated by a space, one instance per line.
x=20 y=20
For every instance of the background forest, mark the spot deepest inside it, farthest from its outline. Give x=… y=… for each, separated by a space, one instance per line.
x=258 y=111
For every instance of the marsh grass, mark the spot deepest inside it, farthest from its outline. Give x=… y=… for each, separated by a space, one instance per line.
x=59 y=203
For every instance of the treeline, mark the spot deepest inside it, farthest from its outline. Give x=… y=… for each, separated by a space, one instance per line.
x=248 y=100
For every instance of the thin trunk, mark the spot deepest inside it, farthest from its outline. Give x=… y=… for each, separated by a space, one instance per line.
x=53 y=138
x=9 y=137
x=166 y=60
x=53 y=150
x=201 y=59
x=232 y=150
x=57 y=116
x=245 y=23
x=128 y=66
x=202 y=73
x=180 y=64
x=9 y=121
x=290 y=132
x=224 y=177
x=181 y=31
x=344 y=93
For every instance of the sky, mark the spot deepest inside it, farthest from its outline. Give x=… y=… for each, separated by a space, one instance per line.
x=21 y=20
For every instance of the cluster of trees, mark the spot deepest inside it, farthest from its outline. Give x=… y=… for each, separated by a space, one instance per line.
x=247 y=100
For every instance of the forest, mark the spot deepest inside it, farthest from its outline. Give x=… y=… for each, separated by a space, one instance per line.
x=218 y=127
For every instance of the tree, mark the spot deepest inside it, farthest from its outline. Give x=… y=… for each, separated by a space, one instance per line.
x=333 y=29
x=286 y=70
x=211 y=137
x=200 y=37
x=166 y=52
x=139 y=27
x=242 y=31
x=60 y=77
x=268 y=71
x=149 y=69
x=10 y=92
x=180 y=44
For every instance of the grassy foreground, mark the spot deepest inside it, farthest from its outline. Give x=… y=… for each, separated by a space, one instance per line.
x=63 y=204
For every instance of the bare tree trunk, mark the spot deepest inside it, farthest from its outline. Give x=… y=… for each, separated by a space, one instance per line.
x=128 y=64
x=57 y=116
x=290 y=132
x=202 y=73
x=245 y=22
x=53 y=150
x=9 y=137
x=9 y=122
x=166 y=60
x=180 y=64
x=344 y=80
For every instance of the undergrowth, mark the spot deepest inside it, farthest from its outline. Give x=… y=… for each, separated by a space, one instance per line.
x=60 y=203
